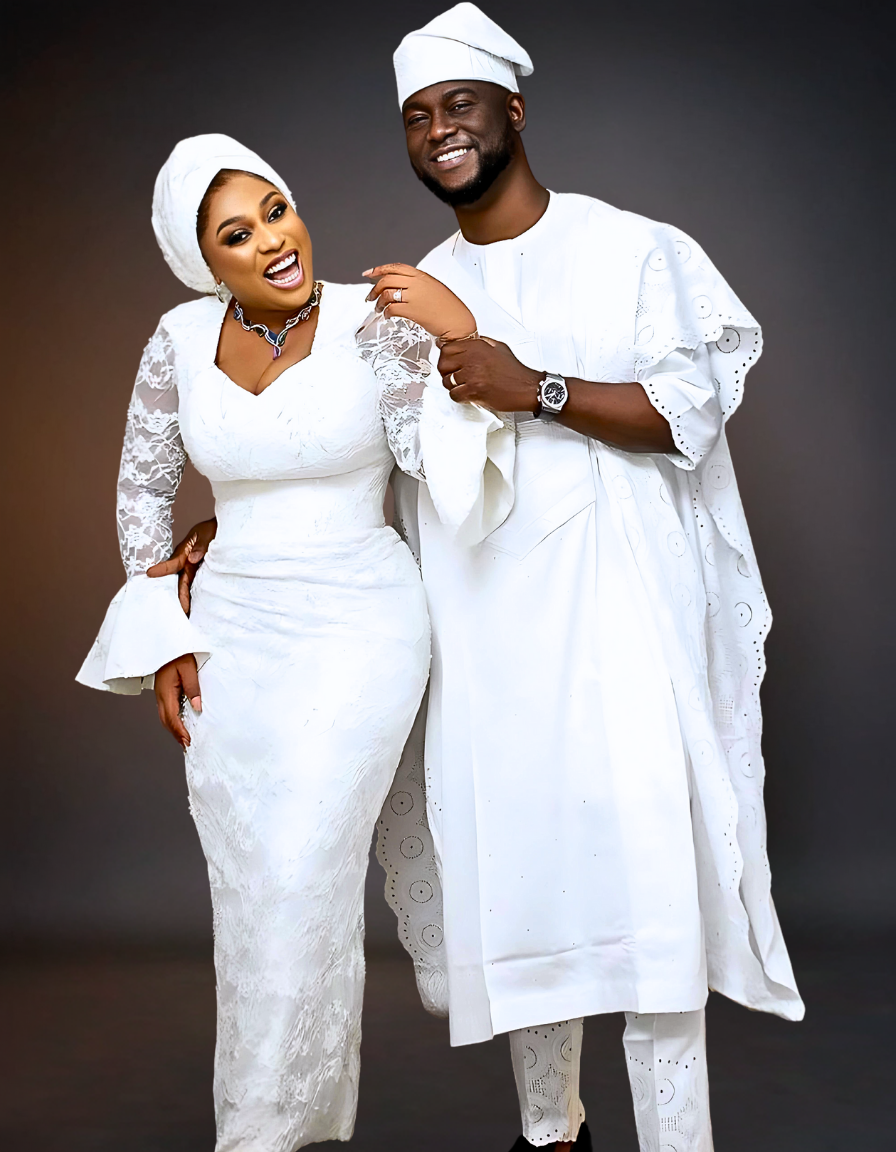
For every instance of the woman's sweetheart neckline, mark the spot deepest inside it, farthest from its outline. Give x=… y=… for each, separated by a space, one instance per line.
x=268 y=387
x=316 y=347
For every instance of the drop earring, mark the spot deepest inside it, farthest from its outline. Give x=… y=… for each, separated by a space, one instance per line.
x=221 y=291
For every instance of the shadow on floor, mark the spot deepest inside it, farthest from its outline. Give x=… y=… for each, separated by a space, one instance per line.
x=112 y=1052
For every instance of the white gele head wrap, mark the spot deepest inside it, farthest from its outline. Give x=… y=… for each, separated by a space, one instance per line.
x=180 y=186
x=461 y=44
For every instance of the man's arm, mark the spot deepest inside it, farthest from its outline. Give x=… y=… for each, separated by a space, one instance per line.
x=486 y=372
x=186 y=558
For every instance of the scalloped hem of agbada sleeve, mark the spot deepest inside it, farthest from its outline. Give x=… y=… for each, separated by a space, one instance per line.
x=468 y=456
x=144 y=628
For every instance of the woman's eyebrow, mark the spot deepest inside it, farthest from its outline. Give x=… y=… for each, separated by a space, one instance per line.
x=264 y=200
x=224 y=223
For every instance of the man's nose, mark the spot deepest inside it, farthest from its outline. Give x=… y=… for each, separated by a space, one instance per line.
x=440 y=128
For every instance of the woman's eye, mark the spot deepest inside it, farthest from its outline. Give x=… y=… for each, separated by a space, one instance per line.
x=237 y=237
x=276 y=212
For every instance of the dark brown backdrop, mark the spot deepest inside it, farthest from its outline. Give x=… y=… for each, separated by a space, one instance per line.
x=763 y=130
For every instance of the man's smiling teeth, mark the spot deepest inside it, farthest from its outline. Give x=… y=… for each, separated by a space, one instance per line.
x=451 y=155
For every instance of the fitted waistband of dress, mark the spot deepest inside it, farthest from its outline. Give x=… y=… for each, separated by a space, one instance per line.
x=289 y=514
x=373 y=557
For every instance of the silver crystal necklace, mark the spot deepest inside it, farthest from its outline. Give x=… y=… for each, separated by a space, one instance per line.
x=278 y=339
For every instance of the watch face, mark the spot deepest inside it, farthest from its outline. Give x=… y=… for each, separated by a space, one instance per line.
x=553 y=393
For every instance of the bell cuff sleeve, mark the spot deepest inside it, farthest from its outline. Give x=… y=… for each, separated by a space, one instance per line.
x=684 y=303
x=680 y=388
x=145 y=627
x=468 y=456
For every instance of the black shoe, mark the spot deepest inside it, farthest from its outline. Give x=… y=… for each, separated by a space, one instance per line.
x=582 y=1143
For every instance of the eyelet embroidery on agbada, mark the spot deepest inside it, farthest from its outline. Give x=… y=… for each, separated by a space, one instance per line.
x=546 y=1061
x=404 y=847
x=676 y=273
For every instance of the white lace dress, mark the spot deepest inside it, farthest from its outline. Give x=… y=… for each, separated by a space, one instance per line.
x=310 y=627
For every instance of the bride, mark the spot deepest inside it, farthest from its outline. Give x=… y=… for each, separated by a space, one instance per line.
x=304 y=658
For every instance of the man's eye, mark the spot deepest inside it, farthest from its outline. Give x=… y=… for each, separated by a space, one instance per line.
x=459 y=106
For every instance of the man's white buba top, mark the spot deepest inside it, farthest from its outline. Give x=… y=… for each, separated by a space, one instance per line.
x=594 y=773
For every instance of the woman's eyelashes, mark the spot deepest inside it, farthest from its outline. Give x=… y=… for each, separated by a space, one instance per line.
x=241 y=234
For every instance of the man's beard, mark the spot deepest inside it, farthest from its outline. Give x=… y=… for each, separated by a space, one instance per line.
x=493 y=159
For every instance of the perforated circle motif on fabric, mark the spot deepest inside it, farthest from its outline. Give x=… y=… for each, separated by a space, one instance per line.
x=729 y=341
x=401 y=803
x=411 y=847
x=432 y=936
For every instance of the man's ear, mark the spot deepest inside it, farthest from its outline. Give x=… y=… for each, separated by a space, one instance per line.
x=516 y=110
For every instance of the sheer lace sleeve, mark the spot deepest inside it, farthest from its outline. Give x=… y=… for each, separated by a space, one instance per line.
x=152 y=461
x=145 y=626
x=399 y=353
x=468 y=451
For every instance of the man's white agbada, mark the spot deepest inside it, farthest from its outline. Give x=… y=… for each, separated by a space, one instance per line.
x=593 y=762
x=460 y=44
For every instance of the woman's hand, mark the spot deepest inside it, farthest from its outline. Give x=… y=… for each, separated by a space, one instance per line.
x=422 y=299
x=186 y=559
x=174 y=681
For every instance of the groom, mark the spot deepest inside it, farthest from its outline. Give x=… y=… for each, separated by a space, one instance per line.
x=594 y=773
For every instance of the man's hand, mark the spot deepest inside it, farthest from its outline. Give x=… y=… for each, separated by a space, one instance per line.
x=175 y=680
x=486 y=372
x=186 y=559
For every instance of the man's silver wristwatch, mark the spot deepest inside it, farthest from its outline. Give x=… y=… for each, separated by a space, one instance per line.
x=552 y=396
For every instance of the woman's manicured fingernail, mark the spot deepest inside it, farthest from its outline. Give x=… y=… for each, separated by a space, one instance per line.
x=369 y=272
x=196 y=703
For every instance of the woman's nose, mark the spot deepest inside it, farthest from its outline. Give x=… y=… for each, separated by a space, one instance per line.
x=269 y=240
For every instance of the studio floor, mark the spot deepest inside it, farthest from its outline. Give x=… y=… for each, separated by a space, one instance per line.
x=111 y=1051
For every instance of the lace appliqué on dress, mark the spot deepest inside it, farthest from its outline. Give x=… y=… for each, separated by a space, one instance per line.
x=152 y=460
x=399 y=353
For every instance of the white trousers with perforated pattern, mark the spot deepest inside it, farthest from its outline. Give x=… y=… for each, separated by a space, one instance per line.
x=666 y=1059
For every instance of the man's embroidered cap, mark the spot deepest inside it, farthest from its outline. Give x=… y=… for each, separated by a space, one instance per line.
x=461 y=44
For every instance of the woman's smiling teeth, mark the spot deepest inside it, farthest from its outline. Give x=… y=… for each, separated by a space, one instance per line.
x=286 y=273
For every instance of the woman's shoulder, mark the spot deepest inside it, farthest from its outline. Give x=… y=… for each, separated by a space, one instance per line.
x=346 y=308
x=192 y=314
x=183 y=324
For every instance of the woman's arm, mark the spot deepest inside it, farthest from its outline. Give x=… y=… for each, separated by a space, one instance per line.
x=398 y=351
x=152 y=460
x=152 y=466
